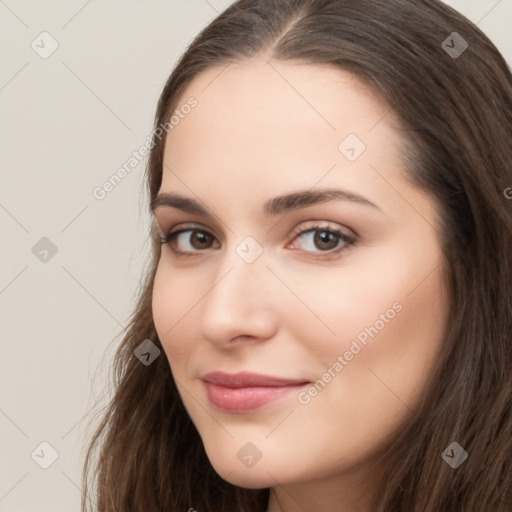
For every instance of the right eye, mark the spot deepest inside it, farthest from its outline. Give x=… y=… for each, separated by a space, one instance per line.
x=188 y=240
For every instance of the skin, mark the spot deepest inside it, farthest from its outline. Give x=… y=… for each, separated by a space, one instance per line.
x=263 y=129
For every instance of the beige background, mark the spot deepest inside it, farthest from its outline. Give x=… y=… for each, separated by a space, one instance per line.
x=67 y=123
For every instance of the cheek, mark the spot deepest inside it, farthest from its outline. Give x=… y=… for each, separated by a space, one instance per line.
x=396 y=346
x=373 y=392
x=411 y=347
x=388 y=322
x=328 y=311
x=172 y=304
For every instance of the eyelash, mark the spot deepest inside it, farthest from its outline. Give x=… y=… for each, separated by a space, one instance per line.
x=348 y=241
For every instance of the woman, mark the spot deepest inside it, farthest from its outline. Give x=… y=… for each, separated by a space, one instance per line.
x=326 y=321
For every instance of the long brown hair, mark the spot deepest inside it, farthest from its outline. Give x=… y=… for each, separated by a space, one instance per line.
x=456 y=113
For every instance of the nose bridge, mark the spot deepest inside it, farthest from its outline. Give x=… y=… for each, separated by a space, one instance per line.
x=241 y=276
x=237 y=302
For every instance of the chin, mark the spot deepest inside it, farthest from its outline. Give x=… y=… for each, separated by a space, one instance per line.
x=235 y=472
x=248 y=480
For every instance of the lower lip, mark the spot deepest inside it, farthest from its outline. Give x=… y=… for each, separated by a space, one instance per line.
x=246 y=399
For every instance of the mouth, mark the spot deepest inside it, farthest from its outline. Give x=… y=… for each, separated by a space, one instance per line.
x=244 y=392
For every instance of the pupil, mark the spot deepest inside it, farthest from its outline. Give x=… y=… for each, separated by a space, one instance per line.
x=324 y=237
x=201 y=238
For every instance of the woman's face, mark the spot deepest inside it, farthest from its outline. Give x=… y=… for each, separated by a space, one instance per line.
x=351 y=329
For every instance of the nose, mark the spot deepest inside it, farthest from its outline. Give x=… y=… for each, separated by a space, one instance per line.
x=239 y=306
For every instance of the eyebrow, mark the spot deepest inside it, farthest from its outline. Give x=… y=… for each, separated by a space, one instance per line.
x=275 y=206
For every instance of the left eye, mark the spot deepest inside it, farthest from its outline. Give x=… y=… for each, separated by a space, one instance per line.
x=200 y=240
x=325 y=239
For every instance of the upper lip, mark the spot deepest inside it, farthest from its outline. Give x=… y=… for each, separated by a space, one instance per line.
x=248 y=379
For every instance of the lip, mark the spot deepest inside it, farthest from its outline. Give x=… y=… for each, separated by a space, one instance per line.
x=245 y=391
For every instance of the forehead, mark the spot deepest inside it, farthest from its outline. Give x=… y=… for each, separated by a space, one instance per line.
x=264 y=94
x=278 y=124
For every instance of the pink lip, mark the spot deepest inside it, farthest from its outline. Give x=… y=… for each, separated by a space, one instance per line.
x=244 y=391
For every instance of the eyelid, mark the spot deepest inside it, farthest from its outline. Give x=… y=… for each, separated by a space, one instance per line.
x=325 y=224
x=185 y=226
